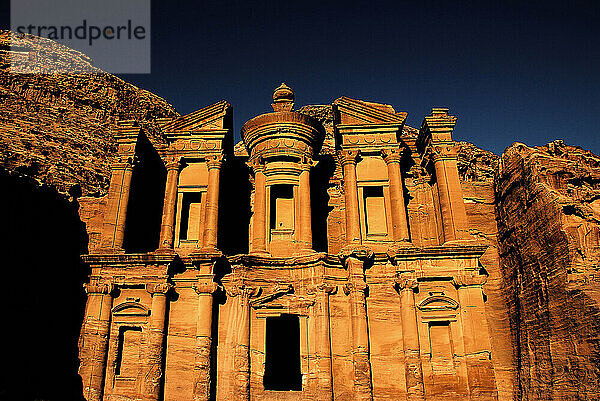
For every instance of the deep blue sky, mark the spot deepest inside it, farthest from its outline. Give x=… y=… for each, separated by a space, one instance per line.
x=511 y=71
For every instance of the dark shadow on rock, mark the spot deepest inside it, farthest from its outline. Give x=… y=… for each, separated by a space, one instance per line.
x=42 y=293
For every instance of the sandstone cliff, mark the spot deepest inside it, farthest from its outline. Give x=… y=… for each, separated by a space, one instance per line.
x=548 y=210
x=55 y=138
x=56 y=128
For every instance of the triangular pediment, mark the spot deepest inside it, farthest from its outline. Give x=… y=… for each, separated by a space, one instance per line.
x=210 y=117
x=358 y=112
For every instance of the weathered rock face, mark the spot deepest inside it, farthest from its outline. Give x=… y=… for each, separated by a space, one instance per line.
x=57 y=128
x=477 y=168
x=56 y=137
x=548 y=210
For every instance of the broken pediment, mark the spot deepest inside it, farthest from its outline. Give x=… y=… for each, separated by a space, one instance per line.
x=358 y=112
x=216 y=116
x=283 y=300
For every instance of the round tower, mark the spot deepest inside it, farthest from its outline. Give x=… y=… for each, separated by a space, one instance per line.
x=281 y=146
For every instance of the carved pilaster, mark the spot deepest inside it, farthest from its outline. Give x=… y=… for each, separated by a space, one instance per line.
x=475 y=330
x=393 y=157
x=323 y=340
x=202 y=368
x=152 y=375
x=354 y=260
x=211 y=217
x=348 y=160
x=173 y=165
x=93 y=345
x=241 y=357
x=437 y=147
x=259 y=216
x=304 y=224
x=406 y=284
x=113 y=227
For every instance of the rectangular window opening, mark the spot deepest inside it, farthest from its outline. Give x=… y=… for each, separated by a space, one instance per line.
x=128 y=351
x=282 y=206
x=375 y=218
x=189 y=227
x=282 y=354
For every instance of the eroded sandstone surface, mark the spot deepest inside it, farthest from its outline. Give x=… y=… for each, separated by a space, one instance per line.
x=548 y=210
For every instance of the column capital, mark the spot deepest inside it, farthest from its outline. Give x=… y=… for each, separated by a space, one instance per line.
x=322 y=287
x=123 y=162
x=256 y=165
x=391 y=155
x=348 y=156
x=214 y=161
x=355 y=286
x=404 y=282
x=469 y=279
x=361 y=253
x=173 y=162
x=206 y=287
x=446 y=151
x=244 y=291
x=159 y=288
x=98 y=288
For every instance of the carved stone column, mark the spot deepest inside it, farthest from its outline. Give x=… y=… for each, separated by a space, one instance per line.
x=305 y=223
x=348 y=160
x=400 y=225
x=94 y=340
x=356 y=288
x=259 y=219
x=323 y=341
x=452 y=206
x=173 y=165
x=211 y=219
x=154 y=352
x=202 y=368
x=113 y=227
x=410 y=338
x=241 y=357
x=480 y=371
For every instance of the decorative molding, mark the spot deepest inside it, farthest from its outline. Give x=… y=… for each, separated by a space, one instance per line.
x=276 y=292
x=130 y=309
x=469 y=279
x=98 y=288
x=437 y=303
x=159 y=288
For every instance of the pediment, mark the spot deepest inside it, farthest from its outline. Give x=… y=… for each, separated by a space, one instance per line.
x=358 y=112
x=210 y=117
x=282 y=298
x=438 y=303
x=130 y=309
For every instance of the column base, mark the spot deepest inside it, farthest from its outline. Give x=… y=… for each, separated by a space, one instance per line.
x=165 y=251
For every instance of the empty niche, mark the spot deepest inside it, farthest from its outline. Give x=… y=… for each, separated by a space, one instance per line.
x=282 y=354
x=191 y=209
x=282 y=207
x=442 y=349
x=374 y=204
x=128 y=352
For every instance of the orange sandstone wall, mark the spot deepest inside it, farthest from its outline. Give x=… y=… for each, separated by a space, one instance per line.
x=476 y=169
x=548 y=210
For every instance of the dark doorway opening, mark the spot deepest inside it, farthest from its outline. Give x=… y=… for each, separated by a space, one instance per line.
x=282 y=354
